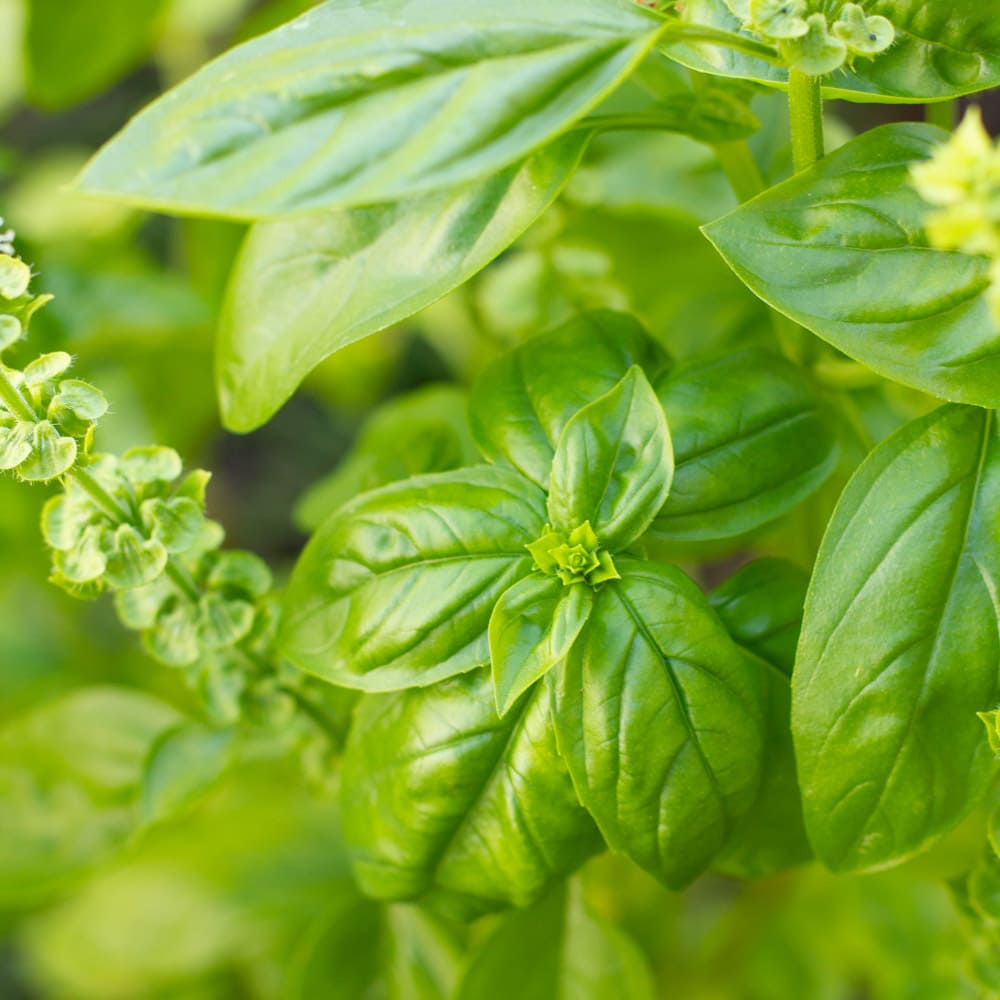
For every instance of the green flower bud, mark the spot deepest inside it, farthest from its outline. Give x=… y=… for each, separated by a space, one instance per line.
x=46 y=368
x=779 y=18
x=176 y=523
x=64 y=520
x=15 y=446
x=817 y=52
x=139 y=608
x=11 y=331
x=242 y=572
x=173 y=640
x=86 y=560
x=15 y=276
x=132 y=559
x=52 y=455
x=152 y=464
x=223 y=621
x=76 y=406
x=194 y=485
x=863 y=35
x=574 y=558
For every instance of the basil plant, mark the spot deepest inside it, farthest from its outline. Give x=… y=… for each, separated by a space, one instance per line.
x=699 y=563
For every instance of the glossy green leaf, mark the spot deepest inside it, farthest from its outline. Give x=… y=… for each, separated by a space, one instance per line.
x=613 y=464
x=841 y=249
x=900 y=645
x=557 y=950
x=942 y=49
x=357 y=104
x=304 y=288
x=521 y=404
x=422 y=431
x=70 y=773
x=442 y=797
x=751 y=441
x=532 y=628
x=396 y=589
x=761 y=606
x=182 y=764
x=661 y=722
x=74 y=50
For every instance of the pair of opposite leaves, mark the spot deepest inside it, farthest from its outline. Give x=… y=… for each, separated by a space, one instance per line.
x=660 y=716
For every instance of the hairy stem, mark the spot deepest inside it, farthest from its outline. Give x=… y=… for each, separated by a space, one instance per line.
x=16 y=403
x=805 y=110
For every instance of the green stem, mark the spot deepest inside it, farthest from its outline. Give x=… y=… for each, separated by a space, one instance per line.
x=651 y=121
x=805 y=110
x=183 y=581
x=680 y=31
x=943 y=114
x=318 y=716
x=740 y=168
x=16 y=403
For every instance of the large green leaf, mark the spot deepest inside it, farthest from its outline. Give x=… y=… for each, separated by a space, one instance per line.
x=396 y=589
x=943 y=49
x=750 y=442
x=520 y=405
x=900 y=644
x=532 y=628
x=557 y=950
x=305 y=287
x=442 y=797
x=70 y=777
x=660 y=720
x=761 y=605
x=354 y=104
x=841 y=249
x=74 y=50
x=613 y=464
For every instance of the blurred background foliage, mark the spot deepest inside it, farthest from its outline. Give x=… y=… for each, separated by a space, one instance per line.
x=247 y=893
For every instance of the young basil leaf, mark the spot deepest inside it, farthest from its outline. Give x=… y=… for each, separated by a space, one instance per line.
x=70 y=773
x=613 y=464
x=761 y=606
x=285 y=123
x=900 y=645
x=532 y=628
x=397 y=588
x=557 y=949
x=520 y=405
x=750 y=443
x=849 y=260
x=304 y=288
x=659 y=718
x=442 y=797
x=941 y=50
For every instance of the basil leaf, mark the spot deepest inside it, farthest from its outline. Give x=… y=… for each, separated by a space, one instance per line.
x=75 y=50
x=875 y=290
x=284 y=123
x=942 y=50
x=532 y=628
x=70 y=774
x=557 y=949
x=761 y=606
x=750 y=443
x=613 y=464
x=305 y=287
x=441 y=797
x=422 y=431
x=520 y=404
x=900 y=645
x=396 y=589
x=660 y=721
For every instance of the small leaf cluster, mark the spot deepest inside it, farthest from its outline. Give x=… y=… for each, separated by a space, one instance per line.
x=962 y=181
x=813 y=36
x=46 y=419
